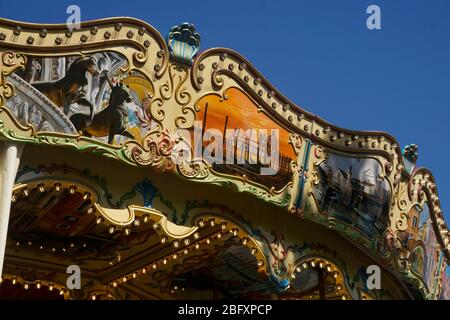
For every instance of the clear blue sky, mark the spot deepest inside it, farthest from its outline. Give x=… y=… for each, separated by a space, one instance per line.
x=321 y=55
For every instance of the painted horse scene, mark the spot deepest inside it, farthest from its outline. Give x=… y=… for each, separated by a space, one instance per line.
x=92 y=92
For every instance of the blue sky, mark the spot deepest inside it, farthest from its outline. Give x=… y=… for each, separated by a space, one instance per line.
x=321 y=55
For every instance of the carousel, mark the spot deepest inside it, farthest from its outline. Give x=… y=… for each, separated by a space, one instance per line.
x=135 y=167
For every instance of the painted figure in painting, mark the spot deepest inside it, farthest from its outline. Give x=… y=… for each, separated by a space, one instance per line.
x=73 y=87
x=111 y=120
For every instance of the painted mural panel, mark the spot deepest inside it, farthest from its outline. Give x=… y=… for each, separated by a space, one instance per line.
x=351 y=190
x=427 y=259
x=96 y=93
x=445 y=286
x=235 y=113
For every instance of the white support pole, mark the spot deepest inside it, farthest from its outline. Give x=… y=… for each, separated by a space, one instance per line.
x=10 y=154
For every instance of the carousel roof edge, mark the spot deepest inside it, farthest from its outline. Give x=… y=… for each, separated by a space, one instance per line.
x=272 y=91
x=275 y=92
x=83 y=24
x=265 y=94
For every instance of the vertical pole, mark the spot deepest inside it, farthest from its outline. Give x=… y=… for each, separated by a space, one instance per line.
x=10 y=154
x=321 y=275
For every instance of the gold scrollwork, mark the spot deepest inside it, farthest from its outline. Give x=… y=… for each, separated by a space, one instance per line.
x=173 y=88
x=155 y=151
x=296 y=141
x=320 y=155
x=10 y=61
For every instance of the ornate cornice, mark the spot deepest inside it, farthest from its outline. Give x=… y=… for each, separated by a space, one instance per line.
x=56 y=39
x=422 y=189
x=216 y=62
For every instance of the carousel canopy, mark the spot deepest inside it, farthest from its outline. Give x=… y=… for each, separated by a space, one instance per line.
x=150 y=170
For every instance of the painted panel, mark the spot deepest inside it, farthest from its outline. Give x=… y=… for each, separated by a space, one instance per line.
x=95 y=93
x=427 y=258
x=352 y=191
x=236 y=111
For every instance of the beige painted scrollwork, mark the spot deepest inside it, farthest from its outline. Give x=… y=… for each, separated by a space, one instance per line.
x=155 y=150
x=10 y=61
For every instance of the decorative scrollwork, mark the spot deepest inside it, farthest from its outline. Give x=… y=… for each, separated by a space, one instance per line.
x=155 y=152
x=156 y=109
x=193 y=169
x=173 y=88
x=140 y=57
x=320 y=155
x=296 y=141
x=10 y=61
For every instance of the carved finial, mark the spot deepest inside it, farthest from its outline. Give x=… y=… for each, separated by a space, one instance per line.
x=183 y=42
x=410 y=154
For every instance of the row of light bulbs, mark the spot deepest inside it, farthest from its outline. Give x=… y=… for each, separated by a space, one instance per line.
x=37 y=284
x=53 y=249
x=56 y=188
x=313 y=263
x=127 y=230
x=189 y=246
